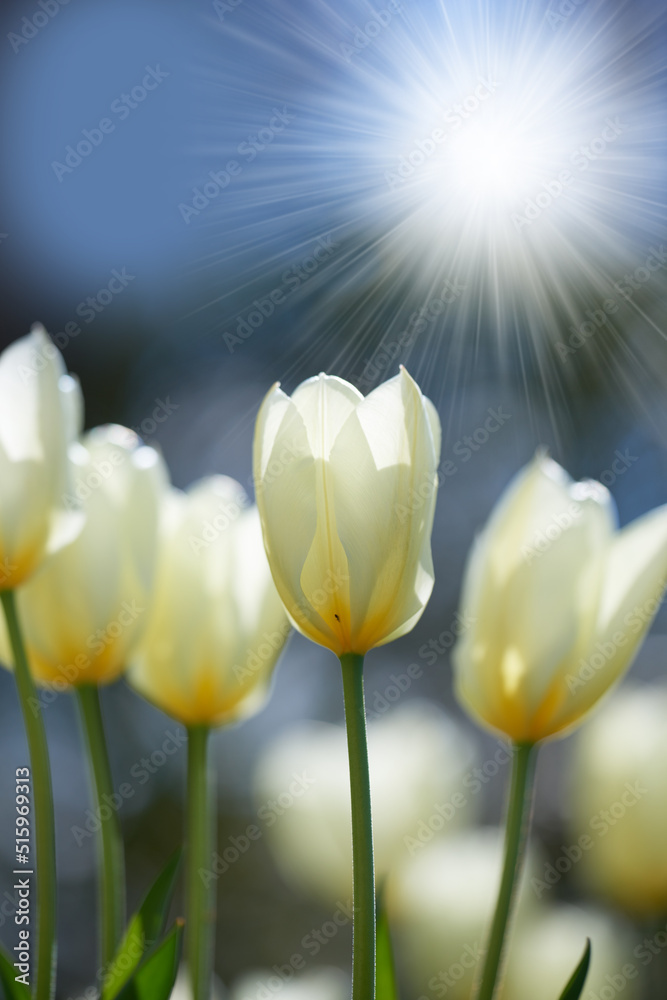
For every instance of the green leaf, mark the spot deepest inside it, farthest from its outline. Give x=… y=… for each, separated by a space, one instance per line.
x=12 y=989
x=385 y=973
x=155 y=978
x=576 y=984
x=143 y=931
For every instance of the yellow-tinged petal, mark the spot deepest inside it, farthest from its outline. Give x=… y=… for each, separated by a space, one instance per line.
x=85 y=609
x=346 y=492
x=37 y=404
x=541 y=585
x=217 y=625
x=634 y=582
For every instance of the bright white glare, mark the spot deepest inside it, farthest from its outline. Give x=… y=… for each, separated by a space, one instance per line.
x=487 y=164
x=502 y=160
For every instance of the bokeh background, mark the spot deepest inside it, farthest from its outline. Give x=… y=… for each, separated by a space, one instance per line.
x=276 y=205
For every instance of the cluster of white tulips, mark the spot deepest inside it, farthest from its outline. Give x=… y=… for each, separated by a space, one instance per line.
x=105 y=568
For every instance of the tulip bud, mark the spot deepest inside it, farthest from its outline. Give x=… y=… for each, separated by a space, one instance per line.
x=217 y=625
x=560 y=601
x=619 y=778
x=85 y=609
x=40 y=412
x=346 y=490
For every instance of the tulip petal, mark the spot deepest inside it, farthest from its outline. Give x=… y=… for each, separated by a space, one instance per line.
x=218 y=624
x=532 y=588
x=635 y=579
x=286 y=483
x=325 y=402
x=384 y=473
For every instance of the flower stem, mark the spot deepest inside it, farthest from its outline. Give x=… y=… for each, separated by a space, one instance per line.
x=112 y=884
x=516 y=835
x=200 y=904
x=45 y=842
x=363 y=928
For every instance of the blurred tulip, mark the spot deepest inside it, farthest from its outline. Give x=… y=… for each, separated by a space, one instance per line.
x=560 y=601
x=314 y=984
x=440 y=905
x=346 y=491
x=217 y=625
x=40 y=413
x=84 y=610
x=549 y=948
x=418 y=761
x=619 y=776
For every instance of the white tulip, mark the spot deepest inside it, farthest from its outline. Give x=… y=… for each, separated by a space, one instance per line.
x=83 y=612
x=346 y=489
x=552 y=587
x=217 y=625
x=40 y=414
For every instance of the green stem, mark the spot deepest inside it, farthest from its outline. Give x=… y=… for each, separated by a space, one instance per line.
x=45 y=841
x=200 y=904
x=516 y=835
x=112 y=883
x=363 y=928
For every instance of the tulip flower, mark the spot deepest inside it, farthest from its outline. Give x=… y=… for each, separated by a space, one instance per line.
x=346 y=490
x=619 y=795
x=215 y=631
x=40 y=410
x=560 y=601
x=84 y=610
x=217 y=625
